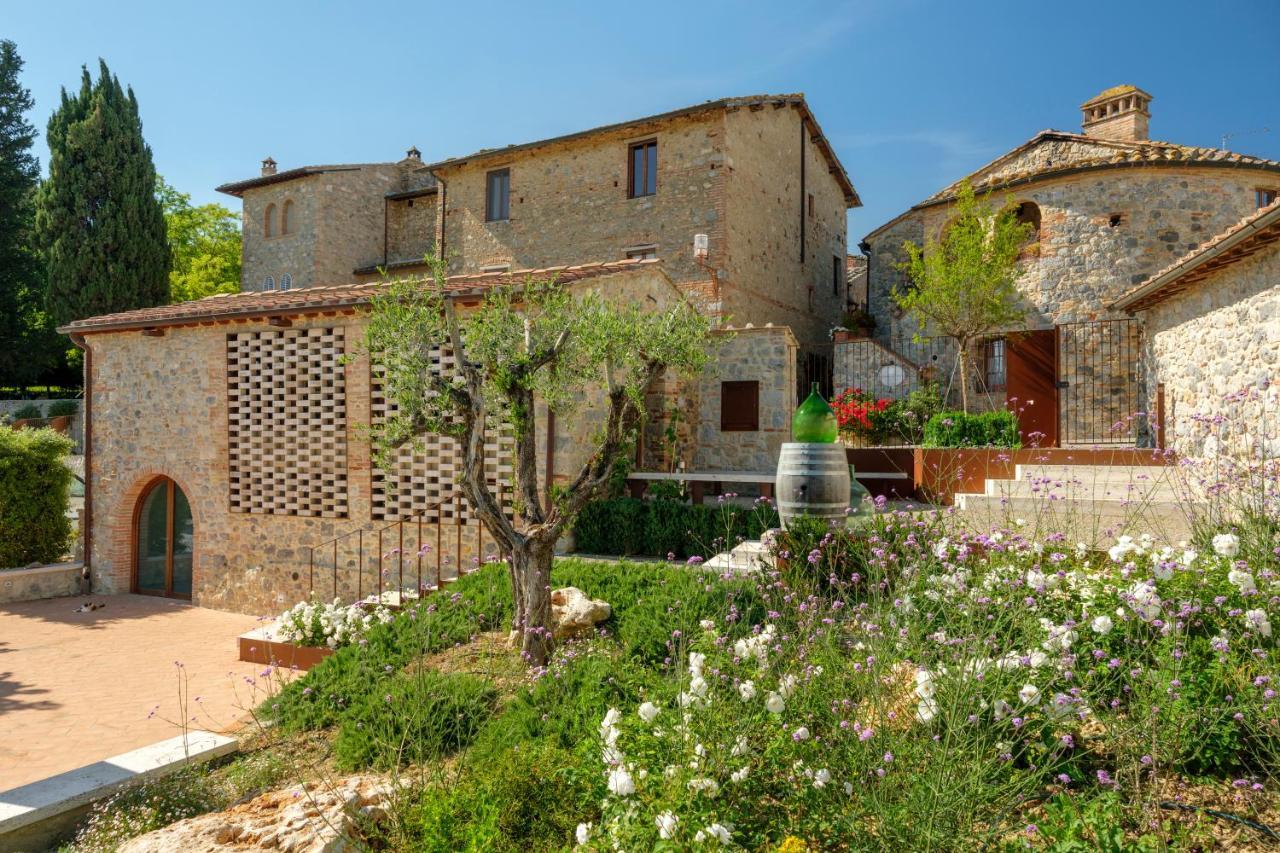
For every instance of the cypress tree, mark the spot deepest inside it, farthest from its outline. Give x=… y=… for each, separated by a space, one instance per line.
x=21 y=291
x=99 y=221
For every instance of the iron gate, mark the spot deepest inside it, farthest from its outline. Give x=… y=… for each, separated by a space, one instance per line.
x=813 y=367
x=1098 y=382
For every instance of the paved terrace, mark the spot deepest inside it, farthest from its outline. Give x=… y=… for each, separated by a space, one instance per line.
x=79 y=687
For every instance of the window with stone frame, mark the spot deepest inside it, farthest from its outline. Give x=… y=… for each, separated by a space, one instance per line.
x=286 y=282
x=268 y=283
x=642 y=253
x=269 y=221
x=740 y=406
x=287 y=382
x=1264 y=197
x=642 y=169
x=497 y=196
x=1028 y=213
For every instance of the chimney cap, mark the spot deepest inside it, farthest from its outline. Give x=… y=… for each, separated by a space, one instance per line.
x=1116 y=92
x=268 y=166
x=413 y=153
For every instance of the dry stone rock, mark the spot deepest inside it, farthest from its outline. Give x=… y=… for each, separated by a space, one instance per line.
x=575 y=613
x=315 y=818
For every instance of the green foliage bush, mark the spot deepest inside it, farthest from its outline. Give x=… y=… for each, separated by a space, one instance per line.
x=423 y=715
x=986 y=429
x=27 y=412
x=62 y=409
x=34 y=488
x=480 y=601
x=656 y=528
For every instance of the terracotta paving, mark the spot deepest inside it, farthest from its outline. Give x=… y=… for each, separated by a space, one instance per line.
x=79 y=687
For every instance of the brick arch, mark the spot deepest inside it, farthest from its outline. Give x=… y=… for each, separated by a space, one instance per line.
x=123 y=523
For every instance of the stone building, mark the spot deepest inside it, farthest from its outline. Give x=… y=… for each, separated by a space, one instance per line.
x=226 y=438
x=1109 y=208
x=755 y=175
x=1211 y=340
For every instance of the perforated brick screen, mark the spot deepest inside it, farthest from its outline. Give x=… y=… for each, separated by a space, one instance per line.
x=287 y=422
x=424 y=477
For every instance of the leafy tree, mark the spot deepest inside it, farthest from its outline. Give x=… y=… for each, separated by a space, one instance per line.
x=965 y=285
x=99 y=221
x=533 y=340
x=28 y=344
x=204 y=241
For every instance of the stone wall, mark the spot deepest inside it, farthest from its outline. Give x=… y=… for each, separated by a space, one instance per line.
x=32 y=584
x=770 y=279
x=1219 y=337
x=569 y=202
x=768 y=356
x=336 y=225
x=247 y=561
x=734 y=176
x=411 y=228
x=1084 y=261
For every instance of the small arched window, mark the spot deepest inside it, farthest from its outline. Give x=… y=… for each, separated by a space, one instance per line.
x=268 y=283
x=286 y=281
x=1028 y=213
x=269 y=221
x=286 y=218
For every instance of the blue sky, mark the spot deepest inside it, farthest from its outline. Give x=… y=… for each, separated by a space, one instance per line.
x=912 y=94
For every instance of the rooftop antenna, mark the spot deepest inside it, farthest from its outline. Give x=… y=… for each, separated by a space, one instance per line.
x=1256 y=130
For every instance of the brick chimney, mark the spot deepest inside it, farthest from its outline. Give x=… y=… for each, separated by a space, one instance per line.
x=1120 y=113
x=268 y=167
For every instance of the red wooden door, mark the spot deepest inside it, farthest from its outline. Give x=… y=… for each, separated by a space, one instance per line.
x=1031 y=389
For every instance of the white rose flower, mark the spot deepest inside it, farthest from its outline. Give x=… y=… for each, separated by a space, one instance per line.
x=740 y=747
x=773 y=704
x=698 y=686
x=667 y=823
x=583 y=833
x=1242 y=581
x=620 y=782
x=787 y=685
x=1102 y=625
x=1226 y=545
x=801 y=733
x=648 y=711
x=821 y=778
x=738 y=775
x=1029 y=694
x=611 y=718
x=747 y=690
x=716 y=831
x=926 y=710
x=1258 y=620
x=924 y=684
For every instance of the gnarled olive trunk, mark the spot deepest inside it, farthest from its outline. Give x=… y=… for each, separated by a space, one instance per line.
x=531 y=582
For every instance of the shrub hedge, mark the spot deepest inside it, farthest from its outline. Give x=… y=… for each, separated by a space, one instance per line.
x=27 y=412
x=34 y=489
x=62 y=409
x=631 y=527
x=986 y=429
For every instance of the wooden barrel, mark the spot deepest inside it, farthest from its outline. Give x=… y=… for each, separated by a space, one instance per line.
x=813 y=479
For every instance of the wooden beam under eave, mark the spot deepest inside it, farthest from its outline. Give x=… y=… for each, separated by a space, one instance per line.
x=153 y=332
x=281 y=322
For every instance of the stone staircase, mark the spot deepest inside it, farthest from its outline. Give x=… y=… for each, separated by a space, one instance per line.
x=1088 y=503
x=744 y=559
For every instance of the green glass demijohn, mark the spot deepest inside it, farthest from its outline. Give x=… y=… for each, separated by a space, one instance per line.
x=815 y=421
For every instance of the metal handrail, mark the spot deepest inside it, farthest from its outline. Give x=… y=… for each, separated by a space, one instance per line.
x=418 y=518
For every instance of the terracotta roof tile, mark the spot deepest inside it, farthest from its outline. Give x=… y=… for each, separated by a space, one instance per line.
x=1122 y=153
x=225 y=307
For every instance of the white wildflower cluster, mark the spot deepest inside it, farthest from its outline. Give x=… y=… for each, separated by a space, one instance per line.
x=329 y=625
x=756 y=646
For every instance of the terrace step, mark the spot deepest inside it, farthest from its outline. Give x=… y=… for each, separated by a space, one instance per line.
x=745 y=558
x=1096 y=522
x=1096 y=473
x=1076 y=488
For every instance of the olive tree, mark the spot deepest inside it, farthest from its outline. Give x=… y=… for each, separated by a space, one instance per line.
x=965 y=284
x=536 y=340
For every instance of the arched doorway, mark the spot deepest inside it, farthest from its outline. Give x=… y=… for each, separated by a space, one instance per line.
x=164 y=533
